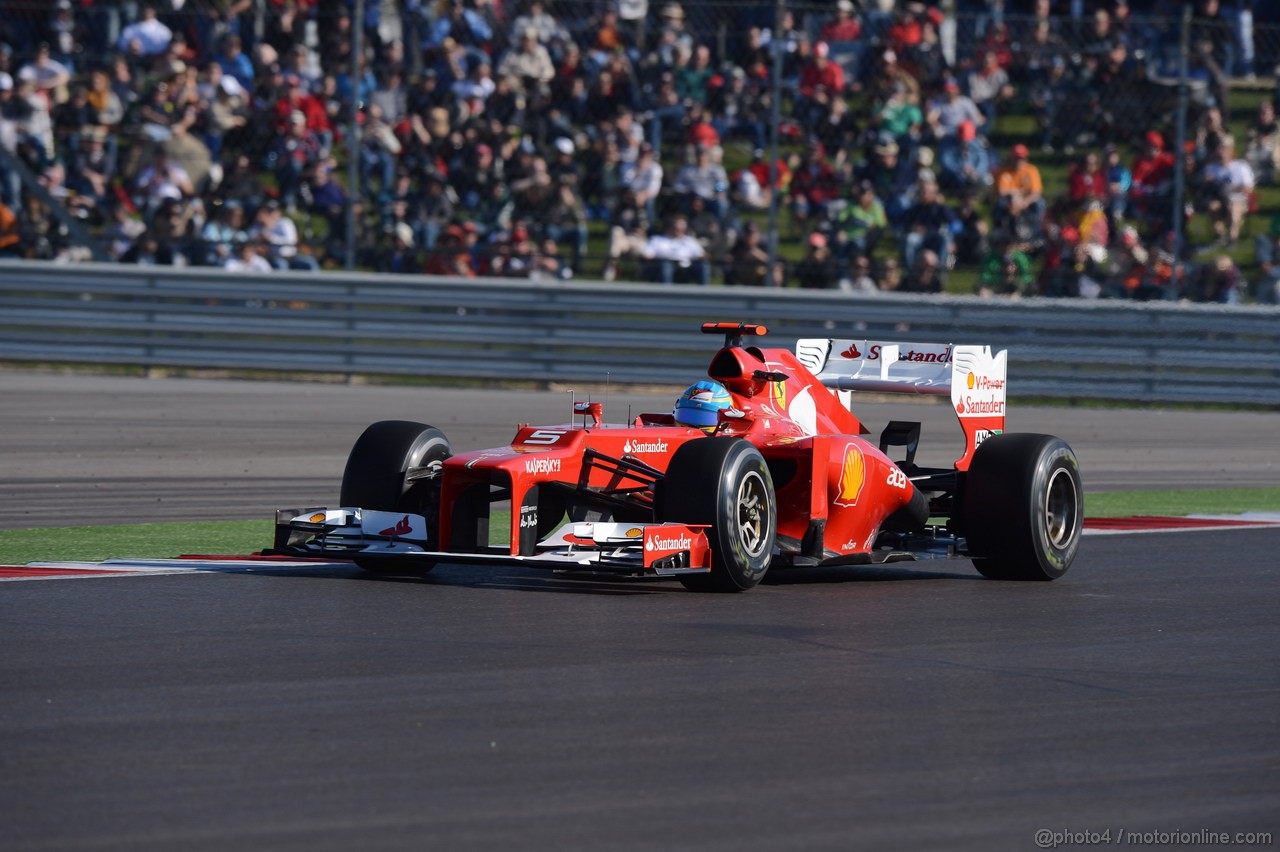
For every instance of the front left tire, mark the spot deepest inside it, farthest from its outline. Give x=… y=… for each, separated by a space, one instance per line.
x=395 y=467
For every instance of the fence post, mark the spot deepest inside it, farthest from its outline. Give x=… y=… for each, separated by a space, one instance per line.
x=1180 y=132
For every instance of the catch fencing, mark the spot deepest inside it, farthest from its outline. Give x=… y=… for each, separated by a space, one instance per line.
x=582 y=332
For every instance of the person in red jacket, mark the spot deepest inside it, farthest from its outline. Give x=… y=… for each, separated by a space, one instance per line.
x=821 y=82
x=1087 y=181
x=813 y=185
x=1152 y=180
x=297 y=99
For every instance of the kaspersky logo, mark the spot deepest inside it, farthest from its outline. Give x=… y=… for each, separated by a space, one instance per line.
x=853 y=476
x=644 y=446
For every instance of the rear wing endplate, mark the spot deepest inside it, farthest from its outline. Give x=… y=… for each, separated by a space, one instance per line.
x=972 y=376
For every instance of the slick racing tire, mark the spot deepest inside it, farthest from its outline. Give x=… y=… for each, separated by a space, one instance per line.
x=1023 y=507
x=394 y=467
x=725 y=483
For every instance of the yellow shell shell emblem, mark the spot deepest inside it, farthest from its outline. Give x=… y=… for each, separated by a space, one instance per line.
x=853 y=476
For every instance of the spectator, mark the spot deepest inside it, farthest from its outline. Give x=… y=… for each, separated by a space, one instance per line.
x=248 y=259
x=528 y=63
x=146 y=37
x=280 y=235
x=221 y=234
x=819 y=270
x=990 y=88
x=122 y=232
x=235 y=62
x=676 y=256
x=925 y=275
x=972 y=232
x=1119 y=183
x=889 y=275
x=1218 y=280
x=1086 y=181
x=1006 y=272
x=748 y=262
x=1229 y=183
x=813 y=185
x=946 y=113
x=400 y=258
x=148 y=251
x=859 y=278
x=294 y=154
x=928 y=224
x=704 y=178
x=900 y=119
x=1267 y=251
x=964 y=161
x=860 y=225
x=737 y=109
x=380 y=149
x=821 y=83
x=1130 y=262
x=1152 y=176
x=628 y=232
x=1263 y=148
x=162 y=179
x=10 y=232
x=566 y=222
x=1019 y=203
x=751 y=186
x=50 y=76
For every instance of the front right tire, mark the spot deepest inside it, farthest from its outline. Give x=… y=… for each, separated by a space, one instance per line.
x=725 y=483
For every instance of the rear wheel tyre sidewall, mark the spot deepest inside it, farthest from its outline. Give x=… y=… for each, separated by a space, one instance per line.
x=725 y=483
x=376 y=475
x=1024 y=507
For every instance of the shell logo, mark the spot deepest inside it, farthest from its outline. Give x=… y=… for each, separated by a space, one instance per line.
x=970 y=381
x=853 y=476
x=634 y=532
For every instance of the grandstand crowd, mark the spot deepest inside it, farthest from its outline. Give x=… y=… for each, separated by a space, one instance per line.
x=630 y=140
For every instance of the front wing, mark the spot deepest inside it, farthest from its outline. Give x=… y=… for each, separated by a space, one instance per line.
x=388 y=539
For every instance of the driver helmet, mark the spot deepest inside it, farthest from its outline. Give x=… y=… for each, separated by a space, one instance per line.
x=700 y=405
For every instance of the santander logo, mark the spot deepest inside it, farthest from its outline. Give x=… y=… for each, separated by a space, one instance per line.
x=682 y=543
x=644 y=446
x=402 y=527
x=942 y=356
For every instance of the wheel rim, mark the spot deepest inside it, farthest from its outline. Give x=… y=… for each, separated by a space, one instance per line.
x=753 y=514
x=1060 y=514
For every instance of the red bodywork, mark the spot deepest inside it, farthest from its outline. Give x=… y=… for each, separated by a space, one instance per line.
x=833 y=488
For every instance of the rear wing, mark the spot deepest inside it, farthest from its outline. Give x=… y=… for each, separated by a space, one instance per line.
x=972 y=376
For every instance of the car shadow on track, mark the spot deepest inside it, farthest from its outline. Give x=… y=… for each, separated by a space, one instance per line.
x=489 y=577
x=896 y=572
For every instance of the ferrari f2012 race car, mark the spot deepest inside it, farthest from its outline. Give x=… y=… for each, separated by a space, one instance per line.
x=765 y=466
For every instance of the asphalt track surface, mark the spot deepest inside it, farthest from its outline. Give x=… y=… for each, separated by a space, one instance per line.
x=915 y=707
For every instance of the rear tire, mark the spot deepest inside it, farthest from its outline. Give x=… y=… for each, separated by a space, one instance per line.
x=385 y=472
x=724 y=482
x=1023 y=507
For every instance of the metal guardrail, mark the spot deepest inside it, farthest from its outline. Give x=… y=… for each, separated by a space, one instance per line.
x=582 y=332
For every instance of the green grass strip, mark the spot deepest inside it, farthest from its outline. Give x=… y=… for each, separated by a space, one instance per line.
x=159 y=541
x=1208 y=501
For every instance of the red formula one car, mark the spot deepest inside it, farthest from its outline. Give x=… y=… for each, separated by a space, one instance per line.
x=777 y=474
